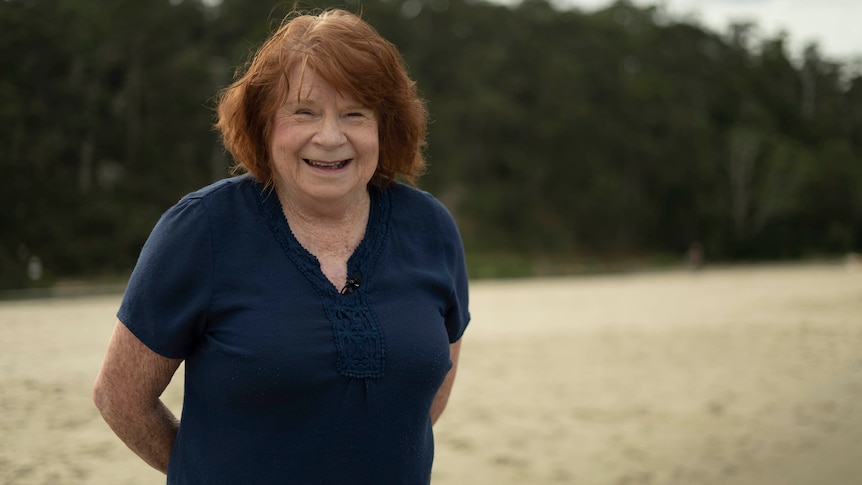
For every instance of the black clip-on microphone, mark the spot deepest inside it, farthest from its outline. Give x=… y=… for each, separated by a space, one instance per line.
x=352 y=284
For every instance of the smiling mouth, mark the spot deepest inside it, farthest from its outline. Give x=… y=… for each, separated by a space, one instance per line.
x=327 y=165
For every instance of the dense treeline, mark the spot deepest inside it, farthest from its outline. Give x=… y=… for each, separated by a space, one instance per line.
x=555 y=134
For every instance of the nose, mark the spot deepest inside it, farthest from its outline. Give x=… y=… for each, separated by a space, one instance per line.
x=330 y=132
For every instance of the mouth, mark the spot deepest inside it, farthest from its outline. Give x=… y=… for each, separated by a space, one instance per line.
x=326 y=165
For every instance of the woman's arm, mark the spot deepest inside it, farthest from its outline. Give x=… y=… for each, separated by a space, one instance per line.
x=442 y=396
x=127 y=391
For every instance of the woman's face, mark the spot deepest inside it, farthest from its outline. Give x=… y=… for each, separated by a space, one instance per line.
x=324 y=146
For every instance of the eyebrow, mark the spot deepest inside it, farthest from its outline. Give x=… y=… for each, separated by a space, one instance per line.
x=294 y=102
x=358 y=106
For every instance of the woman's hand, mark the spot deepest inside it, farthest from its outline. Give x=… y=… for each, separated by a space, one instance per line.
x=442 y=396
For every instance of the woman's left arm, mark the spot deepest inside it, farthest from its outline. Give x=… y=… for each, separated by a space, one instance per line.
x=442 y=397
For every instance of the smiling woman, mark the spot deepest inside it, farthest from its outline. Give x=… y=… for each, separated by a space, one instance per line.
x=318 y=303
x=354 y=61
x=324 y=146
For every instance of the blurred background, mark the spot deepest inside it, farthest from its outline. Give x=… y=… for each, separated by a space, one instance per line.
x=565 y=137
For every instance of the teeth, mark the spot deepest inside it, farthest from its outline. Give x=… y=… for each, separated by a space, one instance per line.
x=332 y=166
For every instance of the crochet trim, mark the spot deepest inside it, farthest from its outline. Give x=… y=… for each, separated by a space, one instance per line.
x=360 y=346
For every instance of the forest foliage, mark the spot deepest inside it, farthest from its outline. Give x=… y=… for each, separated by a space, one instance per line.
x=556 y=135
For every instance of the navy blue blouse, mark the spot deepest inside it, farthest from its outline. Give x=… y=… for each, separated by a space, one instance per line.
x=288 y=380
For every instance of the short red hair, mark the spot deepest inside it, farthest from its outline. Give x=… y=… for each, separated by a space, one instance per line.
x=350 y=55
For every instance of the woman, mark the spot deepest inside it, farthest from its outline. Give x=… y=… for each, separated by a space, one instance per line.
x=318 y=304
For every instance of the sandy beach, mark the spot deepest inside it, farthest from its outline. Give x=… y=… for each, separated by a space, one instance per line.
x=736 y=376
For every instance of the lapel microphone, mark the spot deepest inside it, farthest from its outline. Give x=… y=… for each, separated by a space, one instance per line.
x=352 y=284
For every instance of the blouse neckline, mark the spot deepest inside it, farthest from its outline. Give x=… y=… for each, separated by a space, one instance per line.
x=360 y=262
x=357 y=334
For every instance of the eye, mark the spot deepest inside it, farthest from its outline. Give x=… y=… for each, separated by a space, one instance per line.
x=359 y=113
x=303 y=111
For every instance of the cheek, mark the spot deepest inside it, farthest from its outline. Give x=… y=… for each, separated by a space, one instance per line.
x=282 y=145
x=374 y=149
x=374 y=141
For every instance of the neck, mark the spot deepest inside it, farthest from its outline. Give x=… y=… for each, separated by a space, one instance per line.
x=332 y=213
x=334 y=228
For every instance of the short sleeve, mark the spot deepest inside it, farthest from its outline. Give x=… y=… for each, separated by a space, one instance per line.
x=167 y=299
x=457 y=314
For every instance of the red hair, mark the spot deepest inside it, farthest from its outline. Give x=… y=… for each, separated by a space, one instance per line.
x=351 y=56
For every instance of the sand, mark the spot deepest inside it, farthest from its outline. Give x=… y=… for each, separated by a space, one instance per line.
x=737 y=376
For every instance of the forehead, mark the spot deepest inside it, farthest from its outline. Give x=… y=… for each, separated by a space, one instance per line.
x=304 y=83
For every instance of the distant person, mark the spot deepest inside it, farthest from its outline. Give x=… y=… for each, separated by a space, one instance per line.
x=695 y=256
x=318 y=304
x=853 y=261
